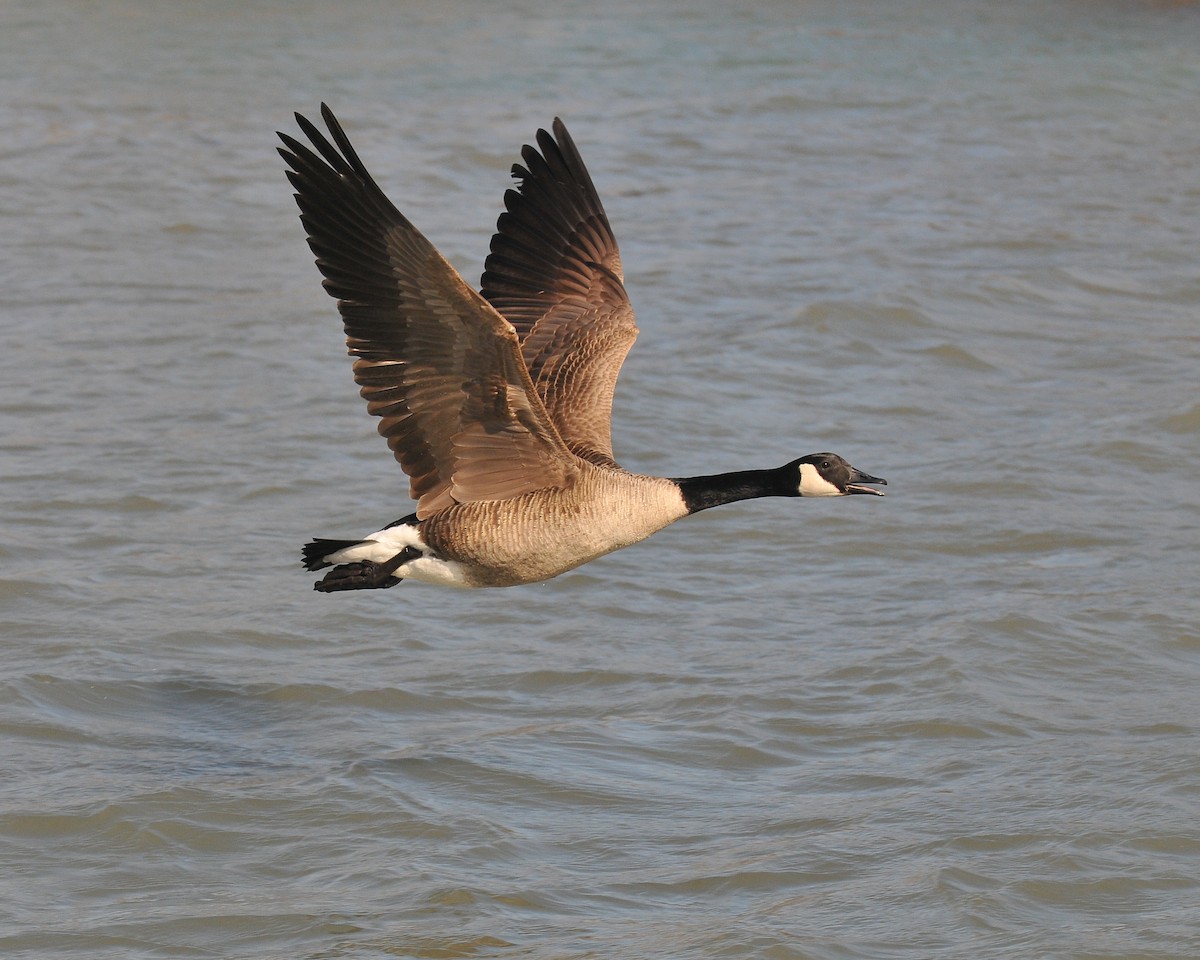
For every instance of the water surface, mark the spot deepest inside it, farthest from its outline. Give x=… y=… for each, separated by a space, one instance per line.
x=954 y=242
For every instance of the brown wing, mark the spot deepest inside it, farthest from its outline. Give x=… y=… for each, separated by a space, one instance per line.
x=555 y=273
x=438 y=365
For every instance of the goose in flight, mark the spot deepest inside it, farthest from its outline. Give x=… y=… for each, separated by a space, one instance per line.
x=497 y=404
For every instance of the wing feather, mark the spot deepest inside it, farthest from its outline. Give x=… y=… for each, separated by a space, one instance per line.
x=554 y=272
x=439 y=366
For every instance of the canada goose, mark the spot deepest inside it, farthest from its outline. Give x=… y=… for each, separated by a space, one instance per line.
x=497 y=404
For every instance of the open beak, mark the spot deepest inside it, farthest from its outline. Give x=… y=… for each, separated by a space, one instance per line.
x=858 y=478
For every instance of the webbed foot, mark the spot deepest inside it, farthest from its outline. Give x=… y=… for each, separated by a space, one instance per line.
x=366 y=574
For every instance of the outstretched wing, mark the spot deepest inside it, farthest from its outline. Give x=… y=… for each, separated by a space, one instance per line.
x=555 y=273
x=435 y=362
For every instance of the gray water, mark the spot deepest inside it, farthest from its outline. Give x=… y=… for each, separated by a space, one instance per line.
x=955 y=242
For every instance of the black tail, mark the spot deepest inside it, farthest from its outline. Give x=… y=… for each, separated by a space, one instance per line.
x=315 y=551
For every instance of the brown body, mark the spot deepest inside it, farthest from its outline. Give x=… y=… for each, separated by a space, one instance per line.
x=541 y=534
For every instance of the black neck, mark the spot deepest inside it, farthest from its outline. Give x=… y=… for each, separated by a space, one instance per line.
x=700 y=493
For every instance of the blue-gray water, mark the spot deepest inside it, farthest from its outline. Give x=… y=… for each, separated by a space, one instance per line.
x=955 y=242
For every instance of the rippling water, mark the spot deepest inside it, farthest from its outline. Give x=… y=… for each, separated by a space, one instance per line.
x=955 y=242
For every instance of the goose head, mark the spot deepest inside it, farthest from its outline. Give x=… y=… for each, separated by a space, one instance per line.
x=828 y=475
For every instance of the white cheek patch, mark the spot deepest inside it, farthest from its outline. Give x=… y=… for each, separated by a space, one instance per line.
x=812 y=484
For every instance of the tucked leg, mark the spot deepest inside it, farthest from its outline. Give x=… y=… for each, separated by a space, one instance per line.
x=366 y=574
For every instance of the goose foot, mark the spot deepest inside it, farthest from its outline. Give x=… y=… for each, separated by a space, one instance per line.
x=365 y=574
